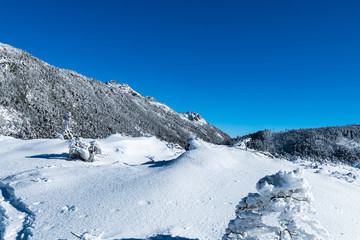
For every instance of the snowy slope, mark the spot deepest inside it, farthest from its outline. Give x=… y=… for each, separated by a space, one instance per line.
x=144 y=187
x=35 y=97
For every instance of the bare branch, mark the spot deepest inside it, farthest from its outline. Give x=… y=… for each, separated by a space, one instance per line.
x=77 y=236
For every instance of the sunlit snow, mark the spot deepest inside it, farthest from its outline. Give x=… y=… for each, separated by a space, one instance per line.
x=143 y=187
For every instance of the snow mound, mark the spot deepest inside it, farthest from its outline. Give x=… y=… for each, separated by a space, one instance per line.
x=137 y=151
x=194 y=143
x=280 y=210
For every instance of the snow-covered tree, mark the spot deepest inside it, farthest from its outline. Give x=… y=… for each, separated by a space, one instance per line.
x=66 y=133
x=80 y=148
x=280 y=210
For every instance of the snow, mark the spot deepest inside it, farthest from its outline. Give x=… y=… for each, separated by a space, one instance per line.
x=280 y=210
x=139 y=99
x=242 y=144
x=193 y=117
x=348 y=143
x=124 y=87
x=160 y=105
x=143 y=187
x=9 y=118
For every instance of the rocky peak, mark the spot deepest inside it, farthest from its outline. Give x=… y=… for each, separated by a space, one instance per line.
x=124 y=87
x=194 y=117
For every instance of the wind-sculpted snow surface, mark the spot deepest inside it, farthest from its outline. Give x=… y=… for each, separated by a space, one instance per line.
x=144 y=188
x=35 y=96
x=280 y=210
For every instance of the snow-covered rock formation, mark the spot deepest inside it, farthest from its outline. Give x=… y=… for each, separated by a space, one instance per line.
x=194 y=117
x=34 y=97
x=280 y=210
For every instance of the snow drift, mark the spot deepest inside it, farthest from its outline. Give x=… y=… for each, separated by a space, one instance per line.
x=145 y=188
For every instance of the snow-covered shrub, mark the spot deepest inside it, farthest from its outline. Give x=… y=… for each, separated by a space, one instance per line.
x=94 y=149
x=280 y=210
x=66 y=133
x=80 y=148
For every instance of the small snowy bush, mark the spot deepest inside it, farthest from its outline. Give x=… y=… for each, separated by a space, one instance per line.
x=79 y=147
x=280 y=210
x=94 y=149
x=84 y=150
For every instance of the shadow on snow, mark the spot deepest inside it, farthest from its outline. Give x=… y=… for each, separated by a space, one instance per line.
x=161 y=237
x=153 y=164
x=61 y=156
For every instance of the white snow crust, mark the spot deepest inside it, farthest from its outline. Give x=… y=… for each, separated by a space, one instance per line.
x=143 y=187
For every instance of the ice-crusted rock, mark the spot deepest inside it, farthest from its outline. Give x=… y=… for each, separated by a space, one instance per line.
x=34 y=97
x=194 y=117
x=280 y=210
x=124 y=87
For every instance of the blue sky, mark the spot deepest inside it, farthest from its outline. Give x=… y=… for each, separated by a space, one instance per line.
x=243 y=65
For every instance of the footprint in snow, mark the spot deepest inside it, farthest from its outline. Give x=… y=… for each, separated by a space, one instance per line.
x=144 y=203
x=114 y=210
x=41 y=180
x=68 y=208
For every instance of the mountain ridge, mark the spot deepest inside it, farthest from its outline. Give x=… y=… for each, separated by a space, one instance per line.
x=338 y=144
x=35 y=96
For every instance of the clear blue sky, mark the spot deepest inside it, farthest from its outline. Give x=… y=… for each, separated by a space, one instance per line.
x=244 y=65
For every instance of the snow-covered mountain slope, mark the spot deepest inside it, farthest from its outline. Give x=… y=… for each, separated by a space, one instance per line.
x=143 y=187
x=35 y=96
x=334 y=144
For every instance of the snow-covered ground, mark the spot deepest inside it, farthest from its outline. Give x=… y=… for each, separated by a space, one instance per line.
x=143 y=187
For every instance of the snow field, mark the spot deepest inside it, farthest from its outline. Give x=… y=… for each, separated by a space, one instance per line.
x=143 y=187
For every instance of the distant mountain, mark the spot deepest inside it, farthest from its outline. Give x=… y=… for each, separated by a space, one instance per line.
x=35 y=96
x=335 y=144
